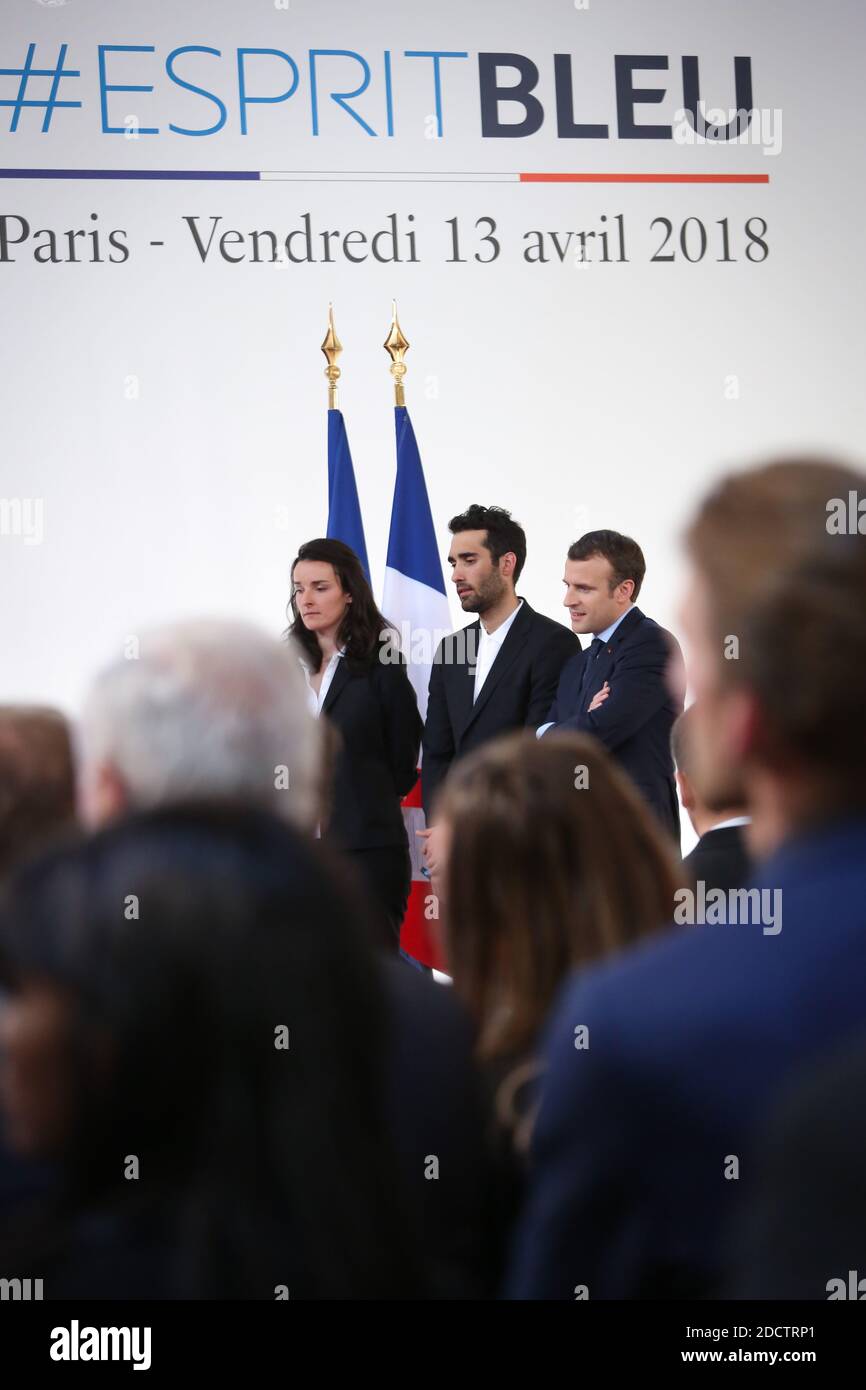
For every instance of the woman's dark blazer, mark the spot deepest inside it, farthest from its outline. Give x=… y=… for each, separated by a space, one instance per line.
x=375 y=712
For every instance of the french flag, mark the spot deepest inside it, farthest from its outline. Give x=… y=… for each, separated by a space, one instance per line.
x=415 y=601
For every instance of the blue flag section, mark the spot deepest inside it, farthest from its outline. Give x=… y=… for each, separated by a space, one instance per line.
x=412 y=546
x=344 y=509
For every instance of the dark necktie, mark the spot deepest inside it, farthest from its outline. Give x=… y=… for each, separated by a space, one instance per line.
x=592 y=653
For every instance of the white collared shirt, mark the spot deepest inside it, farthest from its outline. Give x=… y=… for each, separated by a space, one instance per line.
x=489 y=644
x=728 y=824
x=315 y=699
x=607 y=633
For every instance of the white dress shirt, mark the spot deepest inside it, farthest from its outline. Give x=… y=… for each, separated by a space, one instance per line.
x=728 y=824
x=489 y=644
x=607 y=632
x=315 y=699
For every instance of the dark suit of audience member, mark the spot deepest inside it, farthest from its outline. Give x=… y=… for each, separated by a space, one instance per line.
x=434 y=1106
x=720 y=859
x=645 y=1140
x=252 y=919
x=804 y=1231
x=516 y=693
x=438 y=1112
x=375 y=712
x=634 y=722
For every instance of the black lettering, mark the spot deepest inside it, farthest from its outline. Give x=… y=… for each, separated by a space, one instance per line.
x=566 y=128
x=492 y=94
x=200 y=247
x=5 y=240
x=742 y=94
x=627 y=97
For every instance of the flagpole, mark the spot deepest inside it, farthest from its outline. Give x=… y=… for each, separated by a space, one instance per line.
x=332 y=347
x=396 y=347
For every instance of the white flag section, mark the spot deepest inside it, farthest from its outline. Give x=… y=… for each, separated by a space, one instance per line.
x=420 y=615
x=414 y=600
x=413 y=595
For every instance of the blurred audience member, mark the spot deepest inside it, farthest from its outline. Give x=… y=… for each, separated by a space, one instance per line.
x=219 y=710
x=37 y=805
x=553 y=861
x=645 y=1141
x=720 y=859
x=205 y=709
x=803 y=1233
x=196 y=1029
x=37 y=782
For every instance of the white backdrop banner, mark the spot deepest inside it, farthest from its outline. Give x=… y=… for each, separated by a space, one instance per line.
x=624 y=238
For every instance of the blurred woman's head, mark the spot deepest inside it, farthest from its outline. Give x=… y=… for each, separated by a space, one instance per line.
x=37 y=781
x=553 y=862
x=331 y=596
x=191 y=988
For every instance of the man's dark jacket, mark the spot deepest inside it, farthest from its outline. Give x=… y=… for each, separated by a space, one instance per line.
x=517 y=692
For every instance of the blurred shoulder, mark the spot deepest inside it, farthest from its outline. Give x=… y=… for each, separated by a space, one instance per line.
x=644 y=1000
x=424 y=1011
x=649 y=633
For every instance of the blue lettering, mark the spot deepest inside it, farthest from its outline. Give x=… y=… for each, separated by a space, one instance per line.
x=190 y=87
x=437 y=81
x=105 y=87
x=341 y=98
x=245 y=100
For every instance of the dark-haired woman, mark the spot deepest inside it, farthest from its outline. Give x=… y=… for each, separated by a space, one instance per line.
x=209 y=1073
x=358 y=681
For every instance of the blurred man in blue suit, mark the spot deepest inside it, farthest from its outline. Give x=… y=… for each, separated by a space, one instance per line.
x=662 y=1067
x=617 y=690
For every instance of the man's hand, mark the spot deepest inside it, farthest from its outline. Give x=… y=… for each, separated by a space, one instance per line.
x=433 y=849
x=599 y=699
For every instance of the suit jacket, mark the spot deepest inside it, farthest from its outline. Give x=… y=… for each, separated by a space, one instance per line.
x=634 y=722
x=376 y=714
x=694 y=1036
x=805 y=1225
x=516 y=694
x=720 y=859
x=435 y=1105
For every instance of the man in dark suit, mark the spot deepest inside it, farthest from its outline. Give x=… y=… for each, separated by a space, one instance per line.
x=500 y=672
x=720 y=859
x=646 y=1138
x=619 y=689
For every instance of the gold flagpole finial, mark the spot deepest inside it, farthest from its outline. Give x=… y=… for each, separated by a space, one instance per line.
x=332 y=347
x=397 y=346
